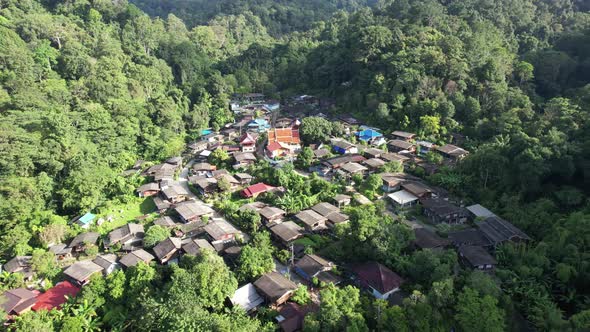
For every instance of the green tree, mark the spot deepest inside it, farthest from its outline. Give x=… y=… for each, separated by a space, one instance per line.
x=315 y=130
x=256 y=258
x=44 y=263
x=301 y=295
x=475 y=313
x=154 y=235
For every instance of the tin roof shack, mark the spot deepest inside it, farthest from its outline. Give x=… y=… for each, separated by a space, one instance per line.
x=135 y=257
x=389 y=157
x=313 y=266
x=403 y=199
x=175 y=193
x=378 y=279
x=342 y=200
x=287 y=232
x=373 y=153
x=478 y=211
x=161 y=204
x=417 y=189
x=312 y=220
x=243 y=178
x=341 y=146
x=391 y=182
x=403 y=135
x=498 y=231
x=83 y=240
x=275 y=288
x=194 y=246
x=452 y=152
x=256 y=189
x=271 y=215
x=165 y=221
x=439 y=210
x=192 y=211
x=400 y=146
x=61 y=251
x=292 y=316
x=247 y=298
x=108 y=262
x=468 y=237
x=129 y=236
x=330 y=212
x=85 y=221
x=81 y=271
x=221 y=231
x=20 y=264
x=17 y=301
x=202 y=169
x=353 y=168
x=477 y=257
x=168 y=249
x=148 y=189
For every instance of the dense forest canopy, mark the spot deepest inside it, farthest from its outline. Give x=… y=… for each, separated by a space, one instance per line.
x=87 y=87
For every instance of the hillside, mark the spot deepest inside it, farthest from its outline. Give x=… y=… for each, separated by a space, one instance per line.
x=88 y=88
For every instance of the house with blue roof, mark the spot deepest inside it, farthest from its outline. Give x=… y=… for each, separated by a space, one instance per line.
x=260 y=125
x=86 y=220
x=371 y=136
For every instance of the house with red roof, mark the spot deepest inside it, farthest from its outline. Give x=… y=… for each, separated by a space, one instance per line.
x=55 y=296
x=256 y=189
x=378 y=279
x=248 y=142
x=283 y=142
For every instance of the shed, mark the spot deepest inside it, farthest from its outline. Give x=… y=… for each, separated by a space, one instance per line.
x=403 y=199
x=81 y=271
x=133 y=258
x=275 y=288
x=247 y=298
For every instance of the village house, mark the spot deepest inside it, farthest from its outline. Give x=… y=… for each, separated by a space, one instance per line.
x=148 y=189
x=244 y=159
x=20 y=264
x=403 y=199
x=189 y=230
x=330 y=212
x=193 y=211
x=312 y=220
x=283 y=142
x=291 y=316
x=351 y=169
x=476 y=257
x=479 y=212
x=205 y=186
x=271 y=215
x=81 y=271
x=84 y=221
x=425 y=239
x=161 y=205
x=417 y=189
x=391 y=182
x=212 y=138
x=313 y=266
x=337 y=162
x=348 y=122
x=400 y=146
x=229 y=179
x=370 y=136
x=135 y=257
x=255 y=190
x=165 y=221
x=175 y=193
x=403 y=135
x=83 y=240
x=56 y=296
x=194 y=246
x=168 y=249
x=380 y=281
x=439 y=210
x=423 y=147
x=129 y=236
x=202 y=169
x=197 y=147
x=108 y=263
x=287 y=232
x=389 y=157
x=452 y=152
x=275 y=288
x=342 y=200
x=221 y=231
x=499 y=231
x=321 y=153
x=341 y=146
x=248 y=142
x=285 y=123
x=374 y=164
x=243 y=178
x=373 y=153
x=161 y=172
x=61 y=251
x=17 y=301
x=259 y=125
x=230 y=133
x=468 y=237
x=247 y=298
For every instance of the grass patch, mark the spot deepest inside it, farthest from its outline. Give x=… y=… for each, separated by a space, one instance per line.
x=126 y=213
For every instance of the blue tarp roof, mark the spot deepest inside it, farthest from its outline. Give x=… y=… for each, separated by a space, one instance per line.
x=88 y=217
x=368 y=134
x=259 y=122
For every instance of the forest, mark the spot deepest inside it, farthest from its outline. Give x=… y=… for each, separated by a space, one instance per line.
x=87 y=87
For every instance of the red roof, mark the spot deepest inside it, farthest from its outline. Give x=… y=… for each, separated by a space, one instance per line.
x=247 y=139
x=55 y=296
x=256 y=189
x=284 y=135
x=274 y=146
x=378 y=277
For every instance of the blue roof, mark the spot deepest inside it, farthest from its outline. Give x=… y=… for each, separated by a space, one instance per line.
x=88 y=217
x=206 y=132
x=368 y=134
x=258 y=122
